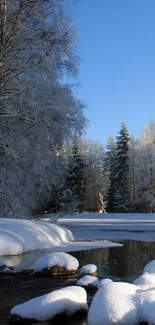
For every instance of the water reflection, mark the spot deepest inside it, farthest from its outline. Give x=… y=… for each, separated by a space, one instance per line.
x=120 y=263
x=125 y=263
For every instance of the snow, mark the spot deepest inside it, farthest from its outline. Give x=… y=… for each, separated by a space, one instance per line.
x=88 y=269
x=60 y=259
x=145 y=281
x=68 y=300
x=19 y=236
x=123 y=303
x=118 y=226
x=147 y=307
x=88 y=280
x=114 y=303
x=104 y=282
x=150 y=267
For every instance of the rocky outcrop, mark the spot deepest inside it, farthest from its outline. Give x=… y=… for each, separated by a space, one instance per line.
x=56 y=270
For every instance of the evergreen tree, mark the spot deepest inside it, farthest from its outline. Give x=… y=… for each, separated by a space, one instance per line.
x=75 y=180
x=109 y=169
x=121 y=187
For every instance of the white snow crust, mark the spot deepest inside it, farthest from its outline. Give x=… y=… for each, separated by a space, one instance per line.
x=150 y=267
x=118 y=226
x=145 y=281
x=19 y=236
x=123 y=304
x=68 y=300
x=104 y=282
x=115 y=303
x=146 y=310
x=88 y=280
x=88 y=269
x=60 y=259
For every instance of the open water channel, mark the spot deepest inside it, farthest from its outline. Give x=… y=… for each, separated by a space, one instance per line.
x=124 y=263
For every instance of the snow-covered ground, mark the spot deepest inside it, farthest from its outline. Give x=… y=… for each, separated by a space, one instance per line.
x=117 y=226
x=21 y=236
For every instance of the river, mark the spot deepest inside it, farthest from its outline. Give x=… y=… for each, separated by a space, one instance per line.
x=124 y=263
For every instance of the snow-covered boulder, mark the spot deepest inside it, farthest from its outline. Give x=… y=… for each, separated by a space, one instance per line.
x=88 y=282
x=66 y=302
x=145 y=281
x=150 y=267
x=19 y=236
x=57 y=264
x=89 y=269
x=115 y=303
x=6 y=264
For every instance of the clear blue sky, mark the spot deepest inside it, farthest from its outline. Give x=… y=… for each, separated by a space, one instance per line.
x=117 y=45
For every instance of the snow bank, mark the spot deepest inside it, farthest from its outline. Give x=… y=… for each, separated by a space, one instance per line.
x=87 y=281
x=150 y=267
x=61 y=259
x=88 y=269
x=19 y=236
x=145 y=281
x=115 y=303
x=68 y=300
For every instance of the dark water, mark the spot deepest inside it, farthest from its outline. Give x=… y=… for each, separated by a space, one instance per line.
x=119 y=263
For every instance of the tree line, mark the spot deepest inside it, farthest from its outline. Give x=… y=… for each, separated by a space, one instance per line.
x=118 y=178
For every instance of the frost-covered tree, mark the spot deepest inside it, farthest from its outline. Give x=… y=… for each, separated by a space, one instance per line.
x=121 y=171
x=38 y=112
x=145 y=169
x=109 y=168
x=94 y=178
x=75 y=179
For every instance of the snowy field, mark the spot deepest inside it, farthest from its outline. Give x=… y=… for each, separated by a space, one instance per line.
x=121 y=226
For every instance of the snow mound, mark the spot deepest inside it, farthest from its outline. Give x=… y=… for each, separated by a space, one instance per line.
x=88 y=269
x=88 y=280
x=104 y=282
x=150 y=267
x=60 y=259
x=19 y=236
x=115 y=303
x=43 y=308
x=147 y=307
x=145 y=281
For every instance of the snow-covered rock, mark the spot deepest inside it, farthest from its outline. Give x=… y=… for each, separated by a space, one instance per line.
x=150 y=267
x=89 y=282
x=90 y=269
x=69 y=301
x=145 y=281
x=115 y=303
x=19 y=236
x=57 y=263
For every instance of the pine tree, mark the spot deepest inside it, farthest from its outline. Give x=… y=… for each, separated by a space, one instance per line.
x=75 y=180
x=109 y=169
x=121 y=187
